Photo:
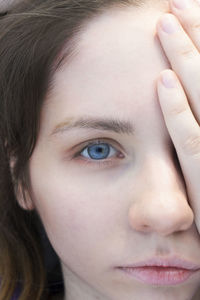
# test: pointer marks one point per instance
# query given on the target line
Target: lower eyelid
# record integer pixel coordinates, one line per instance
(97, 164)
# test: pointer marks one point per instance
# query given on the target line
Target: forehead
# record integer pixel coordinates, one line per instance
(116, 47)
(121, 31)
(114, 71)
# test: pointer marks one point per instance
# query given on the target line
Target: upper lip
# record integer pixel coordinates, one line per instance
(172, 261)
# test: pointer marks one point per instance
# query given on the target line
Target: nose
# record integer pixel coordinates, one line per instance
(160, 203)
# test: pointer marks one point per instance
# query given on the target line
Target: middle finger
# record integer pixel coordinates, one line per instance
(184, 57)
(188, 13)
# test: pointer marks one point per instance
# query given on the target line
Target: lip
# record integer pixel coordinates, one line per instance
(161, 271)
(172, 261)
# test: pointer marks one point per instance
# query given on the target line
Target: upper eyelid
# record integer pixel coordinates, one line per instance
(93, 143)
(106, 140)
(96, 143)
(99, 141)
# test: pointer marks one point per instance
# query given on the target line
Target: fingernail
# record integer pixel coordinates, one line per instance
(182, 4)
(169, 24)
(168, 79)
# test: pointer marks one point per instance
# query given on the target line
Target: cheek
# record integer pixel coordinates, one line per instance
(79, 215)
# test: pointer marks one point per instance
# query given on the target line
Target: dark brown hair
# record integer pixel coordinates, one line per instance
(36, 38)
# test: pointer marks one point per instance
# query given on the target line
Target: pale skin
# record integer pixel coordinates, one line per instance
(181, 104)
(140, 205)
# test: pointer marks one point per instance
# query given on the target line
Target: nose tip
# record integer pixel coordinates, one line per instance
(164, 220)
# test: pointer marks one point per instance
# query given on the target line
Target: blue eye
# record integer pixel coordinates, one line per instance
(98, 151)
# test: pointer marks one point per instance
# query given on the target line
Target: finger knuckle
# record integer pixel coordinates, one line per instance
(187, 52)
(196, 25)
(177, 110)
(192, 146)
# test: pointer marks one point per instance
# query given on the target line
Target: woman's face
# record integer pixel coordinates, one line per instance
(124, 200)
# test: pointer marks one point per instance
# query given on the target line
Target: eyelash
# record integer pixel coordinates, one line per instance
(96, 162)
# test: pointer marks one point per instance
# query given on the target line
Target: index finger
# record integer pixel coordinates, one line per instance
(180, 121)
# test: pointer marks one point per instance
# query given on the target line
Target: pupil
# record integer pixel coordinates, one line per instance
(100, 149)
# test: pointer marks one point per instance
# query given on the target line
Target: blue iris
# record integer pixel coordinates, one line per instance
(99, 151)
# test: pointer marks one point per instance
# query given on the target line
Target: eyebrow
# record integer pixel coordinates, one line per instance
(113, 125)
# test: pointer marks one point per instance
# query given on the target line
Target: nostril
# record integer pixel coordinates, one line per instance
(145, 228)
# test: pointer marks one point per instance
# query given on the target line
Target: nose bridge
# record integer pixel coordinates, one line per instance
(160, 204)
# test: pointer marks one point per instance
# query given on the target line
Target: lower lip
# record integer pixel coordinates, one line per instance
(159, 275)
